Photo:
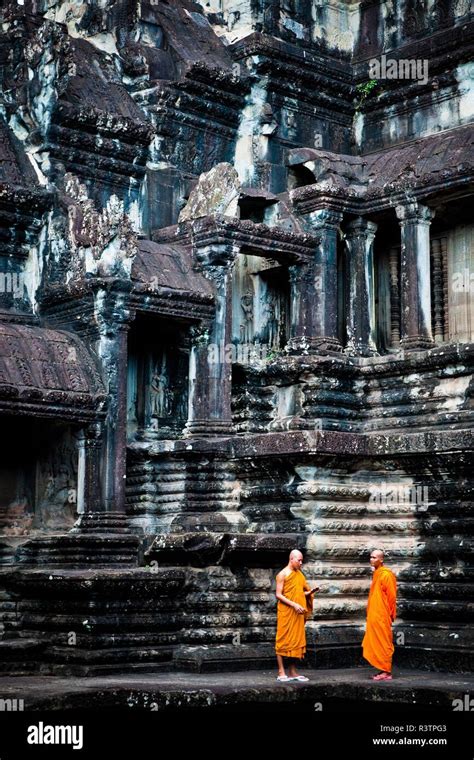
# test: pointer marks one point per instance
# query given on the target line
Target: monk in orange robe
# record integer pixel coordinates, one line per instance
(377, 645)
(295, 603)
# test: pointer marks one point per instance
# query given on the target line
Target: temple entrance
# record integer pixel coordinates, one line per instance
(157, 379)
(38, 476)
(260, 304)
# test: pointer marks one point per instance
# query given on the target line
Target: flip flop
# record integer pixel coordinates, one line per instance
(283, 678)
(299, 678)
(382, 677)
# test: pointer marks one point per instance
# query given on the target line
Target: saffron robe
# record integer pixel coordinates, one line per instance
(377, 646)
(290, 635)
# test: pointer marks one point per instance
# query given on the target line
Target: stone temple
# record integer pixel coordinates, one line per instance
(236, 318)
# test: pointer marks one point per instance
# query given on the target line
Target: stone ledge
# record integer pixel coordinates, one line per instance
(301, 442)
(350, 689)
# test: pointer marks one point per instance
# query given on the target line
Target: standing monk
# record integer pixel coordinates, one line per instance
(295, 603)
(377, 645)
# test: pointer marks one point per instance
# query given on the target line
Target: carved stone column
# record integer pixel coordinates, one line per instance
(303, 293)
(114, 321)
(360, 297)
(416, 329)
(394, 266)
(89, 494)
(437, 291)
(210, 371)
(314, 289)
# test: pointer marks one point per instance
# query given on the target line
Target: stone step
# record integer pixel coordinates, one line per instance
(7, 553)
(101, 641)
(117, 655)
(83, 670)
(102, 523)
(221, 657)
(245, 635)
(82, 550)
(104, 669)
(21, 649)
(99, 623)
(93, 584)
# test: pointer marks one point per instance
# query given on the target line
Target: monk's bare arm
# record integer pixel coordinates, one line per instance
(280, 579)
(309, 597)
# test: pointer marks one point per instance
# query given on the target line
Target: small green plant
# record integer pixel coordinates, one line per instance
(272, 354)
(364, 90)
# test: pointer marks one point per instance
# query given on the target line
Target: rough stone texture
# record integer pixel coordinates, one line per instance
(45, 368)
(409, 693)
(217, 192)
(236, 317)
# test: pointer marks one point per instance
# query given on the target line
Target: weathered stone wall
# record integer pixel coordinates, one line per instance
(182, 181)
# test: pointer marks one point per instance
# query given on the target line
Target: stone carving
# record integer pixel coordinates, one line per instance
(104, 241)
(161, 396)
(57, 502)
(246, 329)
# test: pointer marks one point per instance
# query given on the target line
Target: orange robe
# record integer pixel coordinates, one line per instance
(290, 635)
(377, 645)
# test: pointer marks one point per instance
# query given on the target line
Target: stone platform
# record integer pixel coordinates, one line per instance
(350, 690)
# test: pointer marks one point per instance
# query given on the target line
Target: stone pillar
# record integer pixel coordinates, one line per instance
(314, 289)
(394, 269)
(326, 224)
(114, 321)
(360, 296)
(438, 291)
(89, 495)
(210, 370)
(303, 295)
(416, 331)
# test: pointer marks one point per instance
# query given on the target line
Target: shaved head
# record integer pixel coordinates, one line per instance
(295, 560)
(376, 558)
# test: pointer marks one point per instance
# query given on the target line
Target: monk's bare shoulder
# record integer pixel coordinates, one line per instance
(283, 574)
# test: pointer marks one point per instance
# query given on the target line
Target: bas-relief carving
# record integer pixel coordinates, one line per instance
(246, 327)
(271, 314)
(161, 395)
(16, 500)
(56, 479)
(157, 393)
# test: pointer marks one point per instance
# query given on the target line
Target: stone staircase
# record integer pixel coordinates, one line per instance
(87, 622)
